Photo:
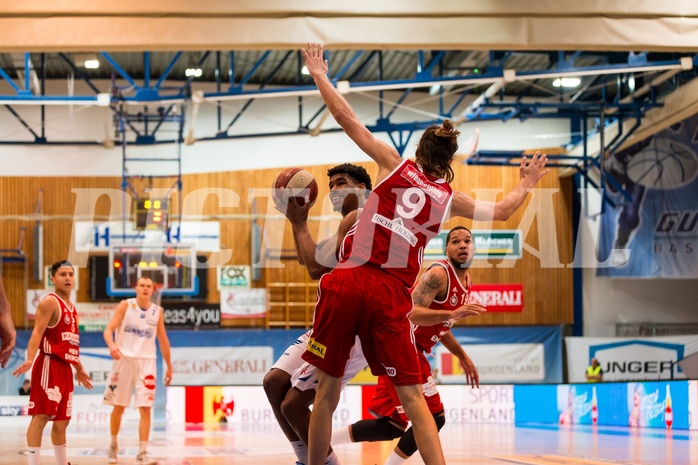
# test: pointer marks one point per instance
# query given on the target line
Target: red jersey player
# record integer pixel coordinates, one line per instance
(368, 294)
(440, 298)
(55, 337)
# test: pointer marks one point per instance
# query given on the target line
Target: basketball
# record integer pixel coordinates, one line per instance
(295, 182)
(664, 164)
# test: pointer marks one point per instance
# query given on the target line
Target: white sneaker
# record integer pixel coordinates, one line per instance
(144, 459)
(113, 450)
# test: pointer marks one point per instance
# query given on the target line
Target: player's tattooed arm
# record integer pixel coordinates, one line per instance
(432, 283)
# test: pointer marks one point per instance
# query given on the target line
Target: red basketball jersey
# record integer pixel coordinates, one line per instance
(458, 294)
(403, 212)
(62, 340)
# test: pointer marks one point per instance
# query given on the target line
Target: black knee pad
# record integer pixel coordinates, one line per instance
(408, 445)
(381, 429)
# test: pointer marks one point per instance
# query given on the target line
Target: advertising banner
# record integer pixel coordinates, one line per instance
(661, 404)
(498, 297)
(232, 276)
(489, 404)
(629, 359)
(183, 315)
(531, 354)
(94, 317)
(496, 363)
(224, 366)
(243, 405)
(499, 243)
(654, 228)
(244, 303)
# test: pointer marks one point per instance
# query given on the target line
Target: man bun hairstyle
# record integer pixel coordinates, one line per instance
(436, 149)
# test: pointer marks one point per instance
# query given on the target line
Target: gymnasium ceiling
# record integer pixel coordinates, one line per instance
(505, 55)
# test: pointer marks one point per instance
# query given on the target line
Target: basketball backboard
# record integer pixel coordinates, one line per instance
(171, 266)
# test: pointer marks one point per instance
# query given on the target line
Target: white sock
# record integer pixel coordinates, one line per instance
(143, 445)
(341, 436)
(113, 441)
(61, 454)
(33, 455)
(332, 459)
(394, 459)
(300, 450)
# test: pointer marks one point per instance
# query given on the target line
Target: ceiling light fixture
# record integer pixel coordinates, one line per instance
(193, 72)
(567, 82)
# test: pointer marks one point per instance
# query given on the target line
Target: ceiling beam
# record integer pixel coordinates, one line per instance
(158, 25)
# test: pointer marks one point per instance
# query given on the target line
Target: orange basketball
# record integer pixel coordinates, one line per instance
(295, 182)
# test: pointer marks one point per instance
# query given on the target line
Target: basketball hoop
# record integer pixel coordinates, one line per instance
(156, 298)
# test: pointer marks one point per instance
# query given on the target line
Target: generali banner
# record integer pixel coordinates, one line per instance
(498, 297)
(220, 366)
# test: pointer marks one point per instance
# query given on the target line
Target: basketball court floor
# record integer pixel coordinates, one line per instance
(463, 444)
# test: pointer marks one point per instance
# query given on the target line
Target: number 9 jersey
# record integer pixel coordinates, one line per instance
(404, 211)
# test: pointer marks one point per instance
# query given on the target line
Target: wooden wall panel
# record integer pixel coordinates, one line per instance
(548, 291)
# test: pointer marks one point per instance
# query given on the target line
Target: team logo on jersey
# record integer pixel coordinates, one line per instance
(149, 382)
(54, 394)
(454, 300)
(316, 348)
(436, 192)
(390, 371)
(395, 226)
(66, 319)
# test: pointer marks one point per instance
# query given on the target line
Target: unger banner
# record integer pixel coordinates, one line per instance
(629, 359)
(654, 226)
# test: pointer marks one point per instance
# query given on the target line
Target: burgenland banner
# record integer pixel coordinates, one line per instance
(654, 225)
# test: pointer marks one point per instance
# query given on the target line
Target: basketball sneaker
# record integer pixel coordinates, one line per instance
(113, 450)
(144, 459)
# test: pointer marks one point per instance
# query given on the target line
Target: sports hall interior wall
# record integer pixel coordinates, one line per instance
(547, 290)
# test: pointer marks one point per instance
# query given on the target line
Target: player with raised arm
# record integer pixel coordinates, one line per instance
(367, 294)
(349, 186)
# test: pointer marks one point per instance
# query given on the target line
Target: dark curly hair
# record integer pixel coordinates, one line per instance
(357, 173)
(436, 149)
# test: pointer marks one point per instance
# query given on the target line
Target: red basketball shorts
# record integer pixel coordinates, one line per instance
(52, 388)
(372, 304)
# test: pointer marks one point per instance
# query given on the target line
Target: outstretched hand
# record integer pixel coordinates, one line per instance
(315, 60)
(532, 171)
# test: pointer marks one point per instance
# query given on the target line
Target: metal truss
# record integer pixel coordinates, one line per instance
(350, 75)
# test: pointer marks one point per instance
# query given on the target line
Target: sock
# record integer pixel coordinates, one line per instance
(33, 455)
(113, 441)
(61, 454)
(341, 436)
(143, 445)
(394, 459)
(300, 450)
(332, 459)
